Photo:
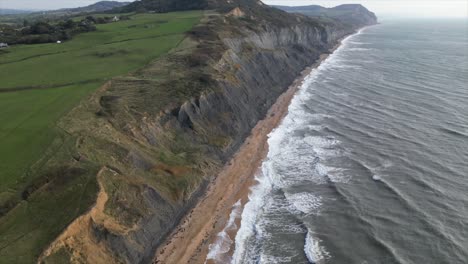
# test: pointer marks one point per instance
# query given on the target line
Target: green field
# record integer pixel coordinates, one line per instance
(39, 84)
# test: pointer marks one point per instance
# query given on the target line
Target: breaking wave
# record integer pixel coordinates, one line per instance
(314, 251)
(223, 242)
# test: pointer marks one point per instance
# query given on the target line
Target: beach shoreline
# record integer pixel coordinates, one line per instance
(190, 240)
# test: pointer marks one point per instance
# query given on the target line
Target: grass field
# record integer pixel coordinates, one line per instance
(39, 84)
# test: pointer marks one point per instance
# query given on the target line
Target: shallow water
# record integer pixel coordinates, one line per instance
(371, 163)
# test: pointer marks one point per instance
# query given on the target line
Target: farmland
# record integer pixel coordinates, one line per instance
(41, 83)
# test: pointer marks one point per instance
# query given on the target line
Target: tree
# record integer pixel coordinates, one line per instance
(91, 19)
(41, 28)
(69, 24)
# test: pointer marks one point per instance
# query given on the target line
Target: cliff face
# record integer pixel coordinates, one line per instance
(162, 133)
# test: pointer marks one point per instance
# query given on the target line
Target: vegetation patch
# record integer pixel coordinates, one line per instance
(105, 54)
(44, 32)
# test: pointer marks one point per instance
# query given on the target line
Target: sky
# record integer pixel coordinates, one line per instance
(412, 8)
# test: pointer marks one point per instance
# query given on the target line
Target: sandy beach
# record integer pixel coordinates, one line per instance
(189, 242)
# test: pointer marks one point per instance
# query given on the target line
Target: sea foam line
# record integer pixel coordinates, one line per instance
(223, 242)
(267, 178)
(314, 252)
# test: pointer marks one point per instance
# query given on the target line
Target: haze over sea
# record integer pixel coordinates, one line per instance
(371, 163)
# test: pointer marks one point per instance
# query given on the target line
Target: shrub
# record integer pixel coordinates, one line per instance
(44, 32)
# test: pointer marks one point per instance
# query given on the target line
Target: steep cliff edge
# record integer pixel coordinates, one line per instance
(162, 133)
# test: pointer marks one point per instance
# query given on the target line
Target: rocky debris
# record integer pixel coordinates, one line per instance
(236, 12)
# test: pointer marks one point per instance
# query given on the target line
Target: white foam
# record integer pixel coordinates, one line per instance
(321, 142)
(376, 178)
(269, 259)
(339, 176)
(223, 242)
(359, 43)
(323, 170)
(347, 66)
(313, 250)
(305, 202)
(250, 213)
(386, 164)
(289, 229)
(359, 49)
(315, 127)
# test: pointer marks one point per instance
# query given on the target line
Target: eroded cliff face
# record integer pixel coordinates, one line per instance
(158, 156)
(254, 71)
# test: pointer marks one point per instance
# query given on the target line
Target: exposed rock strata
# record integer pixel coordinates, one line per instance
(159, 157)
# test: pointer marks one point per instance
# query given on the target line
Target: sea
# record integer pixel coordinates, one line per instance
(370, 165)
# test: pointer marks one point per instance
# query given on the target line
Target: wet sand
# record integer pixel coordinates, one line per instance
(189, 242)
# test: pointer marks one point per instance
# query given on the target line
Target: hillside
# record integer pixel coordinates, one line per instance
(120, 165)
(96, 7)
(161, 6)
(351, 14)
(18, 17)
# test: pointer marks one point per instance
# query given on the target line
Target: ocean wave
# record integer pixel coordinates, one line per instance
(359, 43)
(250, 213)
(223, 242)
(307, 203)
(454, 132)
(359, 49)
(313, 250)
(265, 258)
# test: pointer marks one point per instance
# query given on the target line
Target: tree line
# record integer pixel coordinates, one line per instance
(48, 32)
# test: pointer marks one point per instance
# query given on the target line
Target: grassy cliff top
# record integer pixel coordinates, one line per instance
(40, 84)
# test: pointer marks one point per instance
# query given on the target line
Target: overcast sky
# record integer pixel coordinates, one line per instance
(427, 8)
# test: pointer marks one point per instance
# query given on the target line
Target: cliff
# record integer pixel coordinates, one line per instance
(350, 14)
(159, 135)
